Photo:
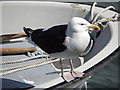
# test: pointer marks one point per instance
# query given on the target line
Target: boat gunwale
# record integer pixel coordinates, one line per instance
(83, 2)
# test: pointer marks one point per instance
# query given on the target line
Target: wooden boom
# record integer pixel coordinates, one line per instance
(7, 37)
(4, 51)
(12, 36)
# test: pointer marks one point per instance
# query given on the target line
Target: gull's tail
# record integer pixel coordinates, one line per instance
(28, 31)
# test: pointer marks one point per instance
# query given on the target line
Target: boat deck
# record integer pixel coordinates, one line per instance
(34, 76)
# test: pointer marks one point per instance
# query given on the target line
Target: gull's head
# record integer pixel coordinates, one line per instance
(78, 24)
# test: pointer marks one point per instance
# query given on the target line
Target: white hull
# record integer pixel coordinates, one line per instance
(35, 14)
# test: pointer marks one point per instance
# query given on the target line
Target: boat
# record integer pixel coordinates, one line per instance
(18, 71)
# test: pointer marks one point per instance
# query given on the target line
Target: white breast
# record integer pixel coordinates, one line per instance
(75, 45)
(78, 42)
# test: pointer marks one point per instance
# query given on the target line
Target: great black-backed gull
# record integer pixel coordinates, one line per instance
(64, 41)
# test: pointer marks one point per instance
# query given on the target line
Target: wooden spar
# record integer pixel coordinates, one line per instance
(4, 51)
(8, 37)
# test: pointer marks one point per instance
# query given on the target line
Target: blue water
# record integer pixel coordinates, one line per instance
(106, 77)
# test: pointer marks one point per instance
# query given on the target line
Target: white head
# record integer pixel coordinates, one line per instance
(78, 24)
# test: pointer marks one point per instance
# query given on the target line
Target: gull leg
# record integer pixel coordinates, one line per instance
(61, 68)
(71, 65)
(81, 60)
(75, 73)
(67, 76)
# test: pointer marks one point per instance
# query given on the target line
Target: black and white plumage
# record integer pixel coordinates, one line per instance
(63, 41)
(50, 40)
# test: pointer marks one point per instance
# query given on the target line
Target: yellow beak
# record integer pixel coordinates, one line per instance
(94, 27)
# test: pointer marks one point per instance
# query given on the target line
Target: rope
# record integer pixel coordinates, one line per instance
(96, 17)
(104, 22)
(92, 11)
(28, 66)
(23, 60)
(113, 19)
(88, 49)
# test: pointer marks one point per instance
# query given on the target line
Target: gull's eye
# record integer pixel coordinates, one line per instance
(90, 30)
(81, 24)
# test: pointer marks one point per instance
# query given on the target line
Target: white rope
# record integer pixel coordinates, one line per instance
(28, 66)
(113, 19)
(104, 22)
(87, 50)
(96, 17)
(23, 60)
(92, 11)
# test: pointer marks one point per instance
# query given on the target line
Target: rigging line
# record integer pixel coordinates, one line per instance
(24, 67)
(92, 11)
(21, 66)
(104, 22)
(23, 60)
(90, 46)
(105, 9)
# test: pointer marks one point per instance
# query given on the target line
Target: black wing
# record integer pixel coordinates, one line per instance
(51, 40)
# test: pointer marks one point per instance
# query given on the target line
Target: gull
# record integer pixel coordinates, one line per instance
(64, 41)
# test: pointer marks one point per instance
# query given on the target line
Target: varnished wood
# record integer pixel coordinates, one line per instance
(15, 50)
(12, 36)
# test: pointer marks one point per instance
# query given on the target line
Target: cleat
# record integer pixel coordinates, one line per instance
(30, 54)
(38, 52)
